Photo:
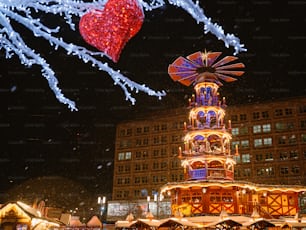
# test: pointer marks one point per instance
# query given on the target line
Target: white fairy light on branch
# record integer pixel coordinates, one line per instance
(25, 13)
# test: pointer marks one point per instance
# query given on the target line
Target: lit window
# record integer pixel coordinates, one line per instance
(128, 155)
(235, 131)
(269, 171)
(245, 158)
(121, 156)
(267, 141)
(237, 158)
(244, 143)
(257, 142)
(256, 129)
(266, 128)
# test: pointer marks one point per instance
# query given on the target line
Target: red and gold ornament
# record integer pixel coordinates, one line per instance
(111, 28)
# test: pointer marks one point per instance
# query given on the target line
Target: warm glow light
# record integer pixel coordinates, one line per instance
(228, 184)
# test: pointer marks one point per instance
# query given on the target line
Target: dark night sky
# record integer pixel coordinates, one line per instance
(41, 137)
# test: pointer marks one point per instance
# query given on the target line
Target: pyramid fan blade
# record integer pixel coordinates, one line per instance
(186, 82)
(178, 77)
(196, 58)
(224, 61)
(232, 66)
(231, 72)
(184, 74)
(189, 80)
(211, 57)
(175, 77)
(175, 68)
(184, 63)
(226, 78)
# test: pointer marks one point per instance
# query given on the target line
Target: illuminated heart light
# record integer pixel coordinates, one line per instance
(111, 28)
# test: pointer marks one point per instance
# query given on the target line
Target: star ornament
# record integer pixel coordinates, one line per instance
(205, 67)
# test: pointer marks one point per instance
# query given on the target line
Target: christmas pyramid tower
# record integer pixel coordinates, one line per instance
(207, 155)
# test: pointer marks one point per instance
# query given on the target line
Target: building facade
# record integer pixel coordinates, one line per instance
(271, 137)
(194, 166)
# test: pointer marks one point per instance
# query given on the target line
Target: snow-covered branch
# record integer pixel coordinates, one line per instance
(26, 12)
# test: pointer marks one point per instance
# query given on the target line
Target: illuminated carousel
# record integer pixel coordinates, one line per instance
(207, 156)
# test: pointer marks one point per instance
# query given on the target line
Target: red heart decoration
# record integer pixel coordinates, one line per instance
(111, 28)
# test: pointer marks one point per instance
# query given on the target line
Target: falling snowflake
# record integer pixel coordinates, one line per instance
(25, 12)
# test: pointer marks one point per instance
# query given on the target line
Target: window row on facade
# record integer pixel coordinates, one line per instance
(146, 129)
(279, 140)
(267, 128)
(154, 166)
(280, 155)
(275, 113)
(149, 179)
(266, 171)
(257, 129)
(149, 153)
